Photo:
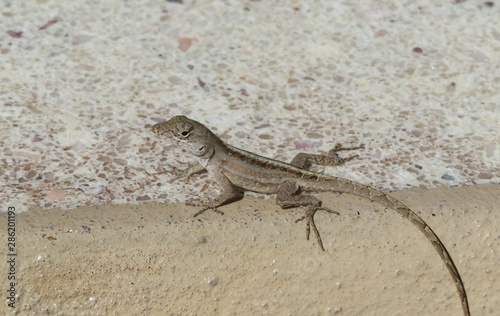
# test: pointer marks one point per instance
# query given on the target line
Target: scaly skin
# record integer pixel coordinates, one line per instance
(236, 169)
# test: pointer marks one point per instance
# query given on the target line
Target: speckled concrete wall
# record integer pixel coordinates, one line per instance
(81, 83)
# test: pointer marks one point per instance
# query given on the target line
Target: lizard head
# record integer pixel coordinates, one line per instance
(188, 134)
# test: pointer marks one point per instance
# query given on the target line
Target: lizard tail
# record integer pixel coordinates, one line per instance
(347, 186)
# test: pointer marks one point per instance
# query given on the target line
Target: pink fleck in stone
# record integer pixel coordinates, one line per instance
(15, 34)
(417, 50)
(202, 84)
(185, 43)
(37, 138)
(49, 23)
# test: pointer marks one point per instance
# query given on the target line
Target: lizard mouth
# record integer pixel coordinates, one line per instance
(161, 129)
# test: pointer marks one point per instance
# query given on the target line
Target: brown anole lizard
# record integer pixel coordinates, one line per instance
(235, 169)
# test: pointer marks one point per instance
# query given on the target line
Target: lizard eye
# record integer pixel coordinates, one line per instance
(183, 129)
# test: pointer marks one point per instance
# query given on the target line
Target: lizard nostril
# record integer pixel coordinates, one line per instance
(156, 129)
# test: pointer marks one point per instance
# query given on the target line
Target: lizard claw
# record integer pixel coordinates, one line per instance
(309, 217)
(205, 206)
(208, 208)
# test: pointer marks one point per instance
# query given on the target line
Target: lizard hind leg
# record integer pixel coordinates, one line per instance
(309, 217)
(304, 160)
(288, 197)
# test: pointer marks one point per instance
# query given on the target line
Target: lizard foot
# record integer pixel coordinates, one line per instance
(339, 147)
(309, 217)
(205, 206)
(332, 153)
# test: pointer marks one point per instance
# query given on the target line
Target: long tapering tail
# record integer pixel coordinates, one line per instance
(347, 186)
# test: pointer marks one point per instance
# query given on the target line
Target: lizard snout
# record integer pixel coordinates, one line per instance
(158, 129)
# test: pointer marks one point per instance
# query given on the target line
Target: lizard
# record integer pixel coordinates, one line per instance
(235, 169)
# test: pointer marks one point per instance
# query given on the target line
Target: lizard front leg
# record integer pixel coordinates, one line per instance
(183, 173)
(193, 170)
(287, 197)
(229, 193)
(304, 160)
